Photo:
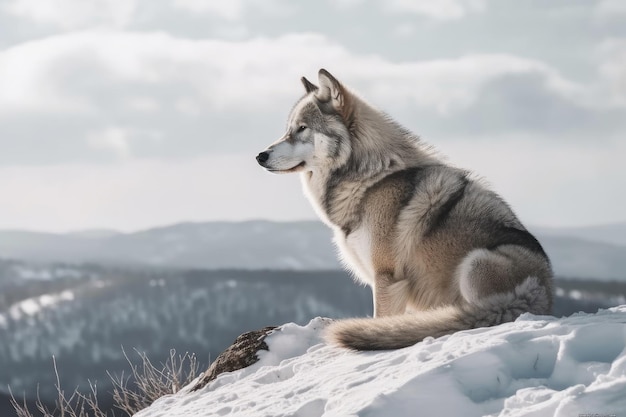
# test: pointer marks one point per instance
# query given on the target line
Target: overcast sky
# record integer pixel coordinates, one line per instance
(129, 114)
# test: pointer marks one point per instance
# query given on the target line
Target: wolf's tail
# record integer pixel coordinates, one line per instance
(394, 332)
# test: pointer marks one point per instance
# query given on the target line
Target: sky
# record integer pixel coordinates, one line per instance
(128, 114)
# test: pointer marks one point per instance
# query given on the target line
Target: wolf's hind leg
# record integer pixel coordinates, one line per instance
(390, 295)
(485, 273)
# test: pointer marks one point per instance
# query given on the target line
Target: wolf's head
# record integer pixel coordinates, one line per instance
(317, 135)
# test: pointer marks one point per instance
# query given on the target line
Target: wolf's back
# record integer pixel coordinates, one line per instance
(394, 332)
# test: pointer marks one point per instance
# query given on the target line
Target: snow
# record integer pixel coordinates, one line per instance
(32, 306)
(43, 273)
(536, 366)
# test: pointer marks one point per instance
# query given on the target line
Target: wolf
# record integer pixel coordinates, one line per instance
(440, 250)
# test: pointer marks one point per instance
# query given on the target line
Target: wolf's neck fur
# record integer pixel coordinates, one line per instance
(379, 144)
(377, 147)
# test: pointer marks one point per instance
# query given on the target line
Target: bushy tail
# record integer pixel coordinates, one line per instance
(394, 332)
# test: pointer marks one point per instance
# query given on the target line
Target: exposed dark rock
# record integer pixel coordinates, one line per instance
(241, 354)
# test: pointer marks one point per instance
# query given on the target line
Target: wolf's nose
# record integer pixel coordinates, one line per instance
(262, 158)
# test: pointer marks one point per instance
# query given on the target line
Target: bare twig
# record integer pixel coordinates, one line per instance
(148, 384)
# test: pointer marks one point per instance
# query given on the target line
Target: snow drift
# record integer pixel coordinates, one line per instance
(535, 366)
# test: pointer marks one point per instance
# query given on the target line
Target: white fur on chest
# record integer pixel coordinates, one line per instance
(313, 186)
(356, 253)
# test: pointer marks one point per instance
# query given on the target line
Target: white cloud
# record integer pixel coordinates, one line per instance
(121, 142)
(229, 10)
(129, 98)
(188, 106)
(74, 14)
(234, 11)
(115, 139)
(404, 30)
(436, 10)
(239, 75)
(439, 10)
(143, 104)
(192, 95)
(445, 84)
(28, 78)
(610, 9)
(613, 71)
(110, 79)
(346, 4)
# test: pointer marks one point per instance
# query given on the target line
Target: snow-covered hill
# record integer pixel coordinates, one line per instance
(598, 253)
(536, 366)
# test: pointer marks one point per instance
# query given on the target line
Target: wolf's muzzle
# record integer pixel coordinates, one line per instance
(262, 158)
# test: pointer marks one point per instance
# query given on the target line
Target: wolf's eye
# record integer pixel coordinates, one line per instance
(301, 128)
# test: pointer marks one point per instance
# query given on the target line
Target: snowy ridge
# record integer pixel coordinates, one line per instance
(536, 366)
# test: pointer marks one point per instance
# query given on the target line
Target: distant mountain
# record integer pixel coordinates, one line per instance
(578, 258)
(607, 233)
(586, 252)
(213, 245)
(95, 233)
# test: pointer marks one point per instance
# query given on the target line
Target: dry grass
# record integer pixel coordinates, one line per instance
(132, 392)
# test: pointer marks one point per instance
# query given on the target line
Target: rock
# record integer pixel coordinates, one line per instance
(241, 354)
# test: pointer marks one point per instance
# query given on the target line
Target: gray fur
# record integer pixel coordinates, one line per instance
(441, 251)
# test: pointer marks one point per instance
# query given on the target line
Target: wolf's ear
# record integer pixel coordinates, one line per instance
(308, 85)
(330, 89)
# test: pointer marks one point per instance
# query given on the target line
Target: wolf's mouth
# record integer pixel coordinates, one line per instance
(292, 169)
